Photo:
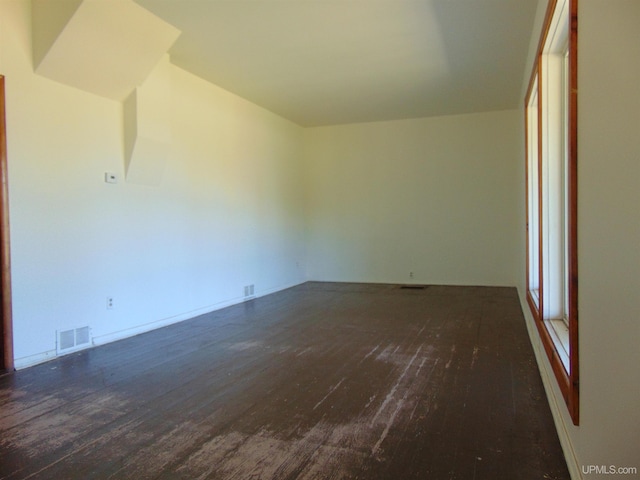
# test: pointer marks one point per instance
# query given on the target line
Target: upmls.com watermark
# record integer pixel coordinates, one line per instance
(609, 470)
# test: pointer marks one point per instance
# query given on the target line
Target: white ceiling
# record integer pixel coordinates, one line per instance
(322, 62)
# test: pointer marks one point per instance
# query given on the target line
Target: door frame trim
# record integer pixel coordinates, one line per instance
(5, 252)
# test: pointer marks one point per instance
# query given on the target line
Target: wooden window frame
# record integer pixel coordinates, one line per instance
(533, 88)
(567, 378)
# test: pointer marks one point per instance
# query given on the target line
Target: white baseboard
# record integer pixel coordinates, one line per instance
(31, 360)
(556, 403)
(38, 358)
(147, 327)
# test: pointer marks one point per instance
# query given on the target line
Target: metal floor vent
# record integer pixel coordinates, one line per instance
(413, 287)
(74, 339)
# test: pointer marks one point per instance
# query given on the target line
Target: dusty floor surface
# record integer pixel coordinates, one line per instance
(321, 381)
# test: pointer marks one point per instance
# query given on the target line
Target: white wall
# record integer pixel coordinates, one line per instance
(435, 196)
(608, 242)
(227, 214)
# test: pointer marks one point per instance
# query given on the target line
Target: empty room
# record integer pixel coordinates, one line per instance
(279, 239)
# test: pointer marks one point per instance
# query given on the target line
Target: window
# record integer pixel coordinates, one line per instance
(551, 141)
(533, 192)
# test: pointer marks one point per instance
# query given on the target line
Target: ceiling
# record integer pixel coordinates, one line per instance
(324, 62)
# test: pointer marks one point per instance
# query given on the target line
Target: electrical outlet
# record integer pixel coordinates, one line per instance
(109, 303)
(410, 274)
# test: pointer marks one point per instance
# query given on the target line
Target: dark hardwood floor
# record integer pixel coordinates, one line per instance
(323, 381)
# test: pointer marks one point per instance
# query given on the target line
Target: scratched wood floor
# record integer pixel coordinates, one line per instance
(321, 381)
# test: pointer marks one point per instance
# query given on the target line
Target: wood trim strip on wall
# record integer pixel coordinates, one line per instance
(574, 376)
(5, 256)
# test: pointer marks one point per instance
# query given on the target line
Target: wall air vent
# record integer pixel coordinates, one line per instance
(249, 291)
(71, 340)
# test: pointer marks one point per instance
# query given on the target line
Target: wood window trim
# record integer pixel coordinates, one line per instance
(534, 81)
(568, 380)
